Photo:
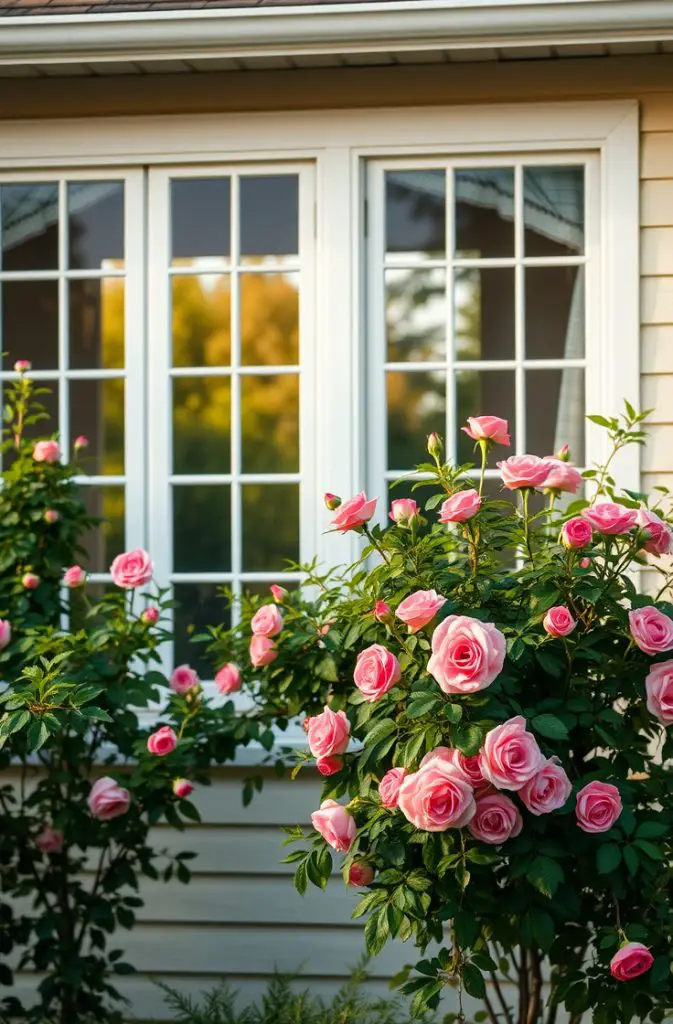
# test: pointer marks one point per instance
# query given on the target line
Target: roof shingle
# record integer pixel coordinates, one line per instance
(16, 8)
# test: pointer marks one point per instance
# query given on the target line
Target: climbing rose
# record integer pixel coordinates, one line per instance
(332, 501)
(267, 621)
(403, 510)
(523, 471)
(383, 612)
(50, 840)
(651, 630)
(376, 671)
(659, 690)
(328, 733)
(74, 577)
(81, 442)
(467, 655)
(150, 616)
(631, 961)
(436, 797)
(511, 756)
(162, 742)
(228, 678)
(558, 621)
(30, 580)
(182, 787)
(279, 594)
(335, 824)
(5, 633)
(107, 799)
(487, 428)
(548, 790)
(469, 768)
(329, 765)
(354, 513)
(51, 516)
(389, 786)
(598, 807)
(131, 569)
(183, 679)
(576, 533)
(263, 651)
(360, 874)
(496, 819)
(46, 451)
(610, 518)
(660, 535)
(23, 366)
(419, 608)
(562, 476)
(460, 507)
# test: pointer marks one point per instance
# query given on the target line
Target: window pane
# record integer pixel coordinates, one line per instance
(553, 211)
(201, 425)
(270, 423)
(555, 412)
(29, 226)
(201, 528)
(484, 310)
(416, 314)
(97, 323)
(95, 224)
(199, 605)
(30, 323)
(270, 215)
(555, 312)
(201, 320)
(416, 212)
(270, 516)
(269, 319)
(97, 411)
(416, 407)
(484, 213)
(104, 542)
(482, 393)
(200, 217)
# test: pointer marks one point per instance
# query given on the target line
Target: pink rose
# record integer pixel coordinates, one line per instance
(436, 797)
(389, 786)
(523, 471)
(5, 633)
(131, 569)
(182, 787)
(75, 576)
(328, 733)
(608, 517)
(660, 534)
(383, 612)
(403, 510)
(511, 756)
(469, 768)
(228, 678)
(107, 799)
(150, 616)
(558, 621)
(23, 366)
(598, 807)
(584, 563)
(631, 961)
(354, 513)
(562, 476)
(162, 742)
(659, 690)
(548, 790)
(651, 630)
(496, 819)
(81, 442)
(30, 581)
(332, 501)
(50, 840)
(376, 671)
(487, 428)
(46, 451)
(279, 594)
(51, 516)
(267, 621)
(263, 651)
(460, 506)
(419, 608)
(360, 874)
(576, 533)
(183, 679)
(467, 655)
(329, 765)
(335, 824)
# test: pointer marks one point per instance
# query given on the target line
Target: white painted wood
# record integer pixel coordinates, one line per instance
(657, 452)
(656, 300)
(656, 202)
(656, 251)
(657, 394)
(656, 112)
(652, 480)
(657, 350)
(656, 155)
(231, 851)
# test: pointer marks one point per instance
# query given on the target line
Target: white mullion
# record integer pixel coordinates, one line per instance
(519, 314)
(306, 478)
(451, 362)
(226, 371)
(63, 320)
(377, 403)
(236, 495)
(198, 269)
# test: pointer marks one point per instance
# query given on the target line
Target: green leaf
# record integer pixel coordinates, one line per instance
(188, 810)
(655, 852)
(631, 860)
(38, 734)
(301, 879)
(95, 714)
(551, 661)
(542, 927)
(652, 830)
(473, 981)
(468, 739)
(453, 712)
(422, 704)
(660, 972)
(577, 998)
(608, 857)
(380, 731)
(326, 669)
(467, 929)
(549, 726)
(545, 875)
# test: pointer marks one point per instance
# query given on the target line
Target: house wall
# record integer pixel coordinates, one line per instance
(240, 916)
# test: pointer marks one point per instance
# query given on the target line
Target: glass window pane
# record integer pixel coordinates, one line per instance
(484, 311)
(555, 412)
(97, 412)
(30, 323)
(416, 314)
(416, 212)
(555, 319)
(97, 323)
(269, 319)
(200, 218)
(201, 425)
(484, 213)
(482, 393)
(104, 542)
(553, 199)
(270, 516)
(95, 224)
(199, 605)
(270, 423)
(270, 215)
(201, 528)
(29, 226)
(416, 407)
(201, 320)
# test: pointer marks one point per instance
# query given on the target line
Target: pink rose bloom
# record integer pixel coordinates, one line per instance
(548, 790)
(81, 442)
(183, 679)
(360, 874)
(267, 621)
(659, 690)
(460, 507)
(469, 768)
(419, 608)
(335, 824)
(376, 671)
(228, 678)
(23, 366)
(523, 471)
(584, 563)
(150, 616)
(50, 840)
(328, 733)
(329, 765)
(660, 534)
(354, 513)
(576, 533)
(496, 819)
(562, 476)
(598, 807)
(162, 742)
(75, 576)
(383, 612)
(131, 569)
(610, 518)
(5, 633)
(30, 581)
(631, 961)
(651, 630)
(487, 428)
(107, 799)
(558, 621)
(46, 451)
(263, 651)
(403, 510)
(279, 594)
(511, 756)
(182, 787)
(51, 516)
(436, 797)
(467, 655)
(389, 786)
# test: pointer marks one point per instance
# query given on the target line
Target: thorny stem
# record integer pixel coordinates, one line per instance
(372, 540)
(525, 497)
(484, 455)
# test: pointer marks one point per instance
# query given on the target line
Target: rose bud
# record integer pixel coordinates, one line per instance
(182, 787)
(23, 366)
(435, 446)
(332, 501)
